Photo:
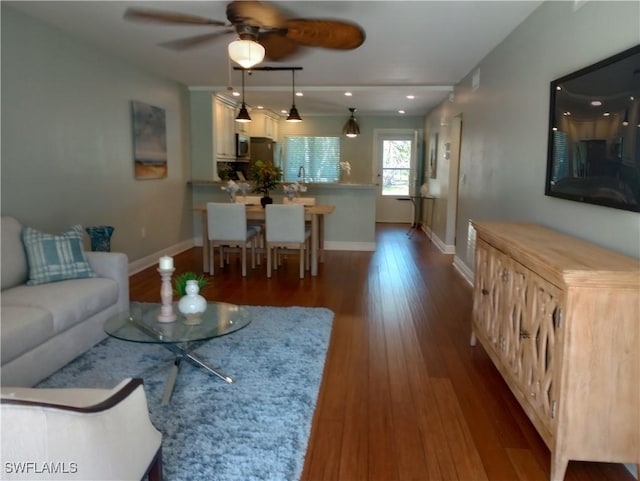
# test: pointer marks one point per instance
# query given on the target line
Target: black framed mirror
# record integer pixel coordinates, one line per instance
(594, 134)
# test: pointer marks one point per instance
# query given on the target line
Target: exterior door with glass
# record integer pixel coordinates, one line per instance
(395, 174)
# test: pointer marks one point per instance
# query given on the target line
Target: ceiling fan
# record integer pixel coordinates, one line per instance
(279, 34)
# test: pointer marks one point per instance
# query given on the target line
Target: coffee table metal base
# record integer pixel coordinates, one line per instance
(183, 352)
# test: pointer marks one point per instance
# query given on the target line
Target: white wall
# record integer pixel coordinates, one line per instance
(67, 154)
(505, 122)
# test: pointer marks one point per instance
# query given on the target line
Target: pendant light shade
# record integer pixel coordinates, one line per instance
(243, 114)
(293, 116)
(351, 128)
(245, 52)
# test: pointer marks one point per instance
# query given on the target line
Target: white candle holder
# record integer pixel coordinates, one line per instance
(166, 294)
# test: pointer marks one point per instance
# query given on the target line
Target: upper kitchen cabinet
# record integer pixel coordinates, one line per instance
(224, 128)
(264, 123)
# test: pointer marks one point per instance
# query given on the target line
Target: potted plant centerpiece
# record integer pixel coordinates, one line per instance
(266, 176)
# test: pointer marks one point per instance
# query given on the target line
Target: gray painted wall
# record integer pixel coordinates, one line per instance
(505, 122)
(67, 154)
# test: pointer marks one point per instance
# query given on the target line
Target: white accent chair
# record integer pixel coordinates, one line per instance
(79, 434)
(286, 229)
(227, 225)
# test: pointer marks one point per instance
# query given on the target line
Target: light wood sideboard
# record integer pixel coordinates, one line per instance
(560, 319)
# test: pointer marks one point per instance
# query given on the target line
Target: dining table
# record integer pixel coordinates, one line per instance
(312, 213)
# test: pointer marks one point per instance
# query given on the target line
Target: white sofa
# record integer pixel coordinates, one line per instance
(45, 326)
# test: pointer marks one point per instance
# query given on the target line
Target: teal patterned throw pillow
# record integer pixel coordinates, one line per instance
(54, 257)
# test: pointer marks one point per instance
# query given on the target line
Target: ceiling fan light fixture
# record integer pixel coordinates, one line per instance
(351, 128)
(246, 53)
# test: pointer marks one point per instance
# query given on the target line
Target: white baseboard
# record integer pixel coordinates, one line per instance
(442, 247)
(463, 270)
(152, 259)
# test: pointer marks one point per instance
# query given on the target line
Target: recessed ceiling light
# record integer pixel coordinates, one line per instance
(401, 111)
(348, 94)
(284, 111)
(236, 93)
(596, 103)
(299, 94)
(411, 97)
(554, 129)
(259, 107)
(606, 114)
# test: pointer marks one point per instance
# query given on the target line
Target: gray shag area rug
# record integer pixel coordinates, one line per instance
(254, 429)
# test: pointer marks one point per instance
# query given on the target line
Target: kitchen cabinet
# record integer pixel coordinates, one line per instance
(264, 123)
(560, 319)
(224, 129)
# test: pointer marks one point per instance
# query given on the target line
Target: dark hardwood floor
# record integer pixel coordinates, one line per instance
(404, 396)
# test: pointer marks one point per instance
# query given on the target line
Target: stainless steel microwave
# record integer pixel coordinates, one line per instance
(243, 144)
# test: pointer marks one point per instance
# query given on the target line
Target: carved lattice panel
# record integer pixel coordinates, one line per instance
(540, 334)
(490, 265)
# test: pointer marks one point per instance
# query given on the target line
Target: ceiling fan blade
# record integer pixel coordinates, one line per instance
(158, 16)
(256, 14)
(336, 34)
(194, 41)
(277, 46)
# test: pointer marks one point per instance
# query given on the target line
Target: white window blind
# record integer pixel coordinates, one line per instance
(319, 156)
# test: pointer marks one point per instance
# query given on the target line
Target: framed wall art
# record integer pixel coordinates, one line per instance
(433, 156)
(149, 141)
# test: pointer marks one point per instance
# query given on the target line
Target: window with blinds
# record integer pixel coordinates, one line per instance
(312, 159)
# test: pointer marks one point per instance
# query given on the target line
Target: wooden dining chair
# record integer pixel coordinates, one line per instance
(286, 230)
(227, 224)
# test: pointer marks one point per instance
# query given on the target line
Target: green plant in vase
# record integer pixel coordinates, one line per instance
(266, 176)
(180, 282)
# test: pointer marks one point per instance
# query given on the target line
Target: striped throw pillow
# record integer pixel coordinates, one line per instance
(54, 257)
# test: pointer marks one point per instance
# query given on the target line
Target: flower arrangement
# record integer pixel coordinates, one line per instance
(233, 188)
(345, 167)
(266, 176)
(291, 190)
(180, 282)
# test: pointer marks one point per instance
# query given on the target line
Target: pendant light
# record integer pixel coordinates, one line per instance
(294, 116)
(243, 115)
(351, 128)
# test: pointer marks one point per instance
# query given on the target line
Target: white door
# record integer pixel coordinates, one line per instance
(394, 173)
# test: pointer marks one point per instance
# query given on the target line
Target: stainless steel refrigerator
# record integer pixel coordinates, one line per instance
(265, 149)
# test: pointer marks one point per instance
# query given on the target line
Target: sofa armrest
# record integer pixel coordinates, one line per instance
(114, 265)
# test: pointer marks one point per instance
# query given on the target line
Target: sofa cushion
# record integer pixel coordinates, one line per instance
(55, 257)
(69, 302)
(22, 329)
(14, 258)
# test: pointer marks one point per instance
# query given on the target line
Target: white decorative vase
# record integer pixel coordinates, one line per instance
(193, 305)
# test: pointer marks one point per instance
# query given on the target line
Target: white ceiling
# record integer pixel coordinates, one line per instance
(421, 48)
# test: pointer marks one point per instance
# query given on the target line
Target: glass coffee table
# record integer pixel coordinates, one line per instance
(140, 324)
